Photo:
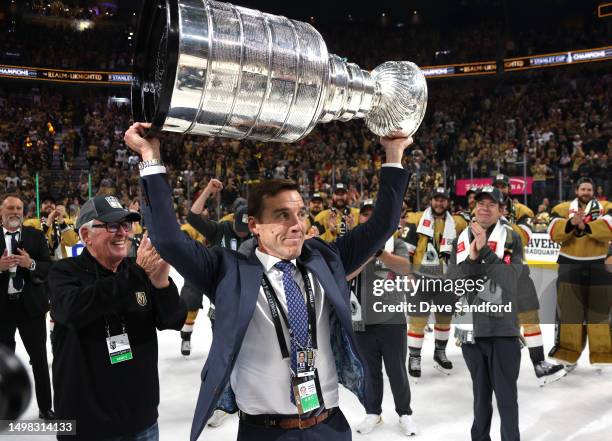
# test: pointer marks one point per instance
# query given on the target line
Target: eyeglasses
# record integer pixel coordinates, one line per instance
(113, 227)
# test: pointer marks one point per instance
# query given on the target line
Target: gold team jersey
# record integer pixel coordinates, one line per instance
(323, 219)
(591, 245)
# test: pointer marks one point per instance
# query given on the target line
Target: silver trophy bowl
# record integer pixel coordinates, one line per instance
(210, 68)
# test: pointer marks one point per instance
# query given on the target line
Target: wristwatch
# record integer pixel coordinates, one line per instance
(32, 265)
(149, 163)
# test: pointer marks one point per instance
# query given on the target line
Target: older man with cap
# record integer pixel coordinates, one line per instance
(107, 308)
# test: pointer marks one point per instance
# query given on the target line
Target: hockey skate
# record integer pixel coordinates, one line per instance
(441, 362)
(414, 368)
(186, 343)
(549, 373)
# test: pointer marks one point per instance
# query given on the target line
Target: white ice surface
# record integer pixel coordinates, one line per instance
(578, 407)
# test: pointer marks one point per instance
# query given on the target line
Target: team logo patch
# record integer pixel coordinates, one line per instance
(492, 245)
(113, 202)
(426, 223)
(461, 247)
(141, 298)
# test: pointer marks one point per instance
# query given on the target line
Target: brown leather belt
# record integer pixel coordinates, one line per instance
(287, 422)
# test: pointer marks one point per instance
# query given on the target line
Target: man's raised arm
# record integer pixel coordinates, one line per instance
(190, 258)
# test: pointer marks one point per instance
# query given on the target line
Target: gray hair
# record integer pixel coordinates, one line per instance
(88, 226)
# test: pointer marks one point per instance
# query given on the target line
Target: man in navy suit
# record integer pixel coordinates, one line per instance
(252, 364)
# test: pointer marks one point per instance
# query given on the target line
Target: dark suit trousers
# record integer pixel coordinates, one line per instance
(33, 332)
(335, 428)
(494, 365)
(385, 342)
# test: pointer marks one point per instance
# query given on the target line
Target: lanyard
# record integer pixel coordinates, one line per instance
(276, 310)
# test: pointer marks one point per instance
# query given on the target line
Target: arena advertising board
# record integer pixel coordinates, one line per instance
(460, 70)
(541, 249)
(440, 71)
(517, 184)
(558, 59)
(65, 76)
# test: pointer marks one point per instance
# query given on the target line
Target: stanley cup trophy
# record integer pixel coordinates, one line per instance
(210, 68)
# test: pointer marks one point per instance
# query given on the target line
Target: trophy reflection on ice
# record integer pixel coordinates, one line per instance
(216, 69)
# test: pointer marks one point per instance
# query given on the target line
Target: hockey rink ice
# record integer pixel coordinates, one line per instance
(577, 407)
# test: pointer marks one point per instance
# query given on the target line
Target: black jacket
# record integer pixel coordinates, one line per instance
(216, 233)
(107, 400)
(506, 275)
(34, 297)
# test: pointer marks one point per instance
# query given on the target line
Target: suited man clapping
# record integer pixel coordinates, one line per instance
(24, 265)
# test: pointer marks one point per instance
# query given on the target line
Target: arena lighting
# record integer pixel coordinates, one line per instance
(82, 25)
(604, 10)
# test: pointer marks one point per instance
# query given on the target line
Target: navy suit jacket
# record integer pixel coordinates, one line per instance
(232, 281)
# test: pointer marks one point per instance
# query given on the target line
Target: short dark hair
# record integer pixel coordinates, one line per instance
(584, 180)
(267, 189)
(5, 196)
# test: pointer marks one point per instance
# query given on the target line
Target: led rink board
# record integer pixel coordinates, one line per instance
(66, 76)
(558, 59)
(441, 71)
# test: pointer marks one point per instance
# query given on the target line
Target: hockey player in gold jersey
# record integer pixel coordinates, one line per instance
(340, 218)
(583, 227)
(430, 237)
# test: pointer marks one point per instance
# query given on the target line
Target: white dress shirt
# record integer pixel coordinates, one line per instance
(261, 379)
(7, 241)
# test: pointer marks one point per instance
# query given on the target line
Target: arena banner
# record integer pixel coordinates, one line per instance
(558, 59)
(460, 70)
(517, 184)
(541, 249)
(66, 76)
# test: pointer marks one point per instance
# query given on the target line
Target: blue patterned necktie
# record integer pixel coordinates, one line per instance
(297, 314)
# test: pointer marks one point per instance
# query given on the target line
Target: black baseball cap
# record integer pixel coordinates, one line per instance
(489, 191)
(340, 186)
(366, 204)
(471, 190)
(316, 195)
(501, 179)
(241, 220)
(105, 209)
(441, 192)
(48, 197)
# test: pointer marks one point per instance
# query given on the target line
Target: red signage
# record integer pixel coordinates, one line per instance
(517, 184)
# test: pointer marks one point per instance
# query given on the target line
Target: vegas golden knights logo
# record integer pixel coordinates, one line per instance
(141, 298)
